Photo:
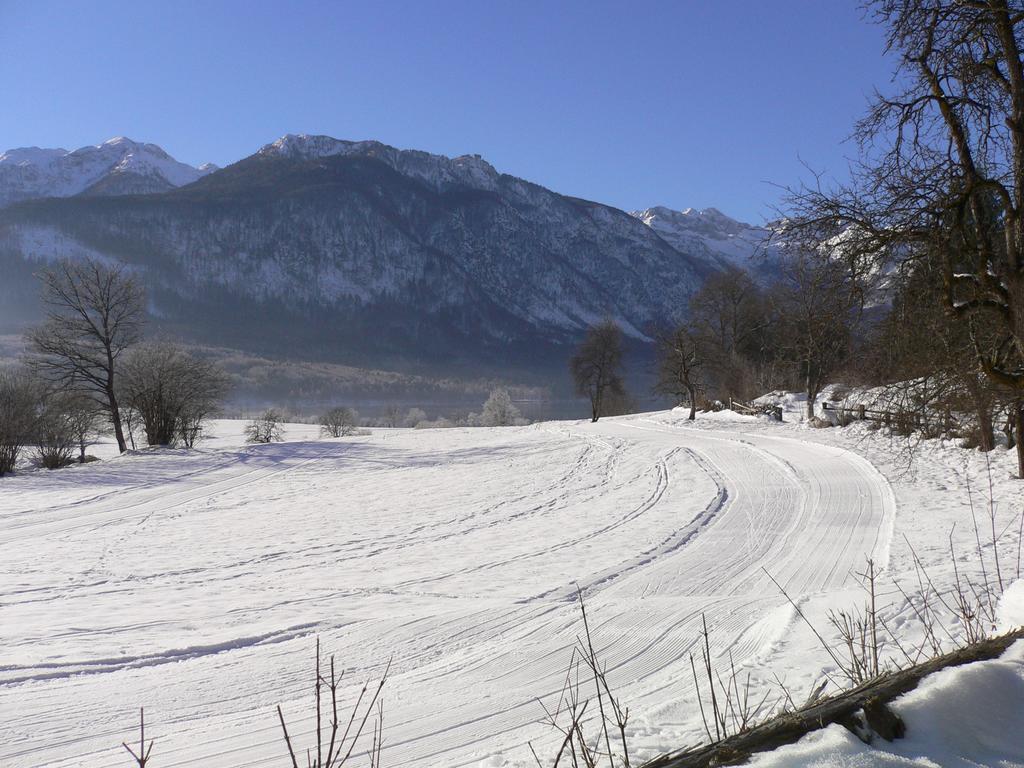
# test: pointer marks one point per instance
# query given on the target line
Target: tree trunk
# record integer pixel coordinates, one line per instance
(693, 403)
(986, 437)
(812, 394)
(81, 449)
(1018, 426)
(115, 417)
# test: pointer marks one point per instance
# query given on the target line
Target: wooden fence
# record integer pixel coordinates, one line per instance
(909, 419)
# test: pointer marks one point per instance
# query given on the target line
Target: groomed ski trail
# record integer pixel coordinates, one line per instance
(198, 594)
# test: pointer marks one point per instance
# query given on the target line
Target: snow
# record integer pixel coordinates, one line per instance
(32, 172)
(44, 243)
(26, 156)
(194, 583)
(725, 241)
(438, 171)
(962, 716)
(724, 415)
(1010, 613)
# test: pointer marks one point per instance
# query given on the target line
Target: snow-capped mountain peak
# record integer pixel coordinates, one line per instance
(730, 242)
(117, 166)
(436, 170)
(36, 156)
(302, 146)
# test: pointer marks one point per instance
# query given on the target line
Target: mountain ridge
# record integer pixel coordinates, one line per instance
(359, 250)
(117, 166)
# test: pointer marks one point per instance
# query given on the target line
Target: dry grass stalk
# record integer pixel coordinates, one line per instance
(732, 707)
(141, 757)
(608, 740)
(331, 751)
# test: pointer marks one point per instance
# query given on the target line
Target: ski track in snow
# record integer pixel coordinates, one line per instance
(193, 583)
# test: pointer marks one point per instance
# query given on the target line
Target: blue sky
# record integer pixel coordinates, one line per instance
(686, 103)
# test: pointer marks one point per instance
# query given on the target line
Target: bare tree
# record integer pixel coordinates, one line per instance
(941, 167)
(926, 360)
(339, 422)
(19, 402)
(596, 367)
(94, 314)
(265, 428)
(680, 366)
(817, 309)
(732, 318)
(171, 391)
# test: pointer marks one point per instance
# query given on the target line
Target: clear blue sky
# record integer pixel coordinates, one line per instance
(686, 103)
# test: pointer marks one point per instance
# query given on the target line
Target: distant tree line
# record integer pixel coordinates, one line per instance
(833, 314)
(88, 372)
(341, 421)
(909, 278)
(741, 339)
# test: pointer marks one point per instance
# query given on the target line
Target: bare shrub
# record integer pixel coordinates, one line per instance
(171, 391)
(65, 421)
(19, 402)
(439, 423)
(265, 428)
(54, 433)
(87, 420)
(339, 422)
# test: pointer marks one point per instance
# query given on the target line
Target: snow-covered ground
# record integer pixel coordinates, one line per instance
(194, 582)
(964, 716)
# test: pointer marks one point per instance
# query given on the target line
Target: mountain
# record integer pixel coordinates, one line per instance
(117, 167)
(361, 253)
(730, 243)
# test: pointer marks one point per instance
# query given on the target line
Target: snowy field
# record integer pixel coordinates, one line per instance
(195, 582)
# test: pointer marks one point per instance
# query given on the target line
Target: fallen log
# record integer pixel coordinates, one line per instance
(872, 696)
